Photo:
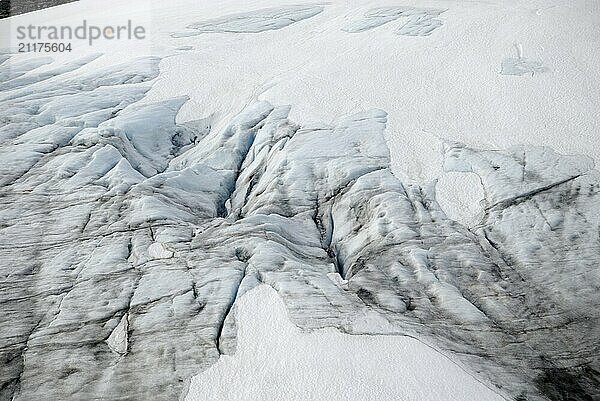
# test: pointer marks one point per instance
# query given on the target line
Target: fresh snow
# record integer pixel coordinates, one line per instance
(275, 360)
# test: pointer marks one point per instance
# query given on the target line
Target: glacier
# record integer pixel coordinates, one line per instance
(127, 237)
(274, 357)
(418, 21)
(254, 21)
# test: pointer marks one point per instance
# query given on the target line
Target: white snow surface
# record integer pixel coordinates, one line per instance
(276, 360)
(447, 84)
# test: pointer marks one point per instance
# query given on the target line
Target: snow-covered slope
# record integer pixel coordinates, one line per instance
(275, 359)
(145, 190)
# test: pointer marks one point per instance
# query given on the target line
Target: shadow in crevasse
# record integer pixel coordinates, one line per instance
(574, 384)
(15, 7)
(4, 8)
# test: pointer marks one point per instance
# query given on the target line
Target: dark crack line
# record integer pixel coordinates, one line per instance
(513, 201)
(228, 310)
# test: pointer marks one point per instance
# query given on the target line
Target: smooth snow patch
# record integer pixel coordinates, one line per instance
(158, 250)
(275, 360)
(117, 341)
(461, 197)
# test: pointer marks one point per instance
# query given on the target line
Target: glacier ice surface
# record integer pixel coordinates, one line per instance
(416, 21)
(126, 238)
(256, 21)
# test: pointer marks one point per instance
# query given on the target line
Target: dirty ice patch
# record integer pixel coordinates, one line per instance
(265, 19)
(276, 360)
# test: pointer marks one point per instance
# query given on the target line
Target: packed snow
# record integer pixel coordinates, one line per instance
(276, 359)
